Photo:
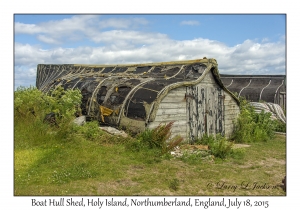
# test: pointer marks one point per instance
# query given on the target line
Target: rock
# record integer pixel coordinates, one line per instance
(114, 131)
(80, 120)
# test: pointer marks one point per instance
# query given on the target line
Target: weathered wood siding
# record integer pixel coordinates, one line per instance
(197, 110)
(173, 108)
(231, 111)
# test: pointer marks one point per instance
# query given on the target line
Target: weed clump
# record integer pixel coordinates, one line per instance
(254, 127)
(158, 138)
(219, 146)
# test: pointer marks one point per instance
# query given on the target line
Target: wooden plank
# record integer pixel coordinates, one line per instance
(180, 90)
(227, 101)
(175, 94)
(230, 116)
(231, 110)
(181, 128)
(180, 99)
(163, 118)
(179, 123)
(229, 131)
(170, 111)
(230, 102)
(169, 105)
(176, 124)
(180, 116)
(229, 125)
(181, 133)
(176, 129)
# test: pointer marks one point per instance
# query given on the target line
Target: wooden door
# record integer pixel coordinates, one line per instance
(205, 111)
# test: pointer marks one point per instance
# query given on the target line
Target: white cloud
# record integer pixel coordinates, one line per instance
(190, 22)
(122, 23)
(27, 28)
(24, 76)
(248, 57)
(81, 26)
(120, 36)
(47, 39)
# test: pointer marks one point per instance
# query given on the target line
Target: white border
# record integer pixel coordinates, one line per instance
(9, 8)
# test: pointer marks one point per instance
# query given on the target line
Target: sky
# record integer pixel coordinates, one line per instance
(241, 43)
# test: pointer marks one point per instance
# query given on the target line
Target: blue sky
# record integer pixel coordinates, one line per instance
(242, 44)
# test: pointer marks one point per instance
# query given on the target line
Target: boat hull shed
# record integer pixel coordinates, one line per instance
(140, 96)
(258, 88)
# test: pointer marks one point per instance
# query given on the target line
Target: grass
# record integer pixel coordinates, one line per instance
(81, 167)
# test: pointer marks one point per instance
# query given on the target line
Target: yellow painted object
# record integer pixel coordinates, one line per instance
(105, 112)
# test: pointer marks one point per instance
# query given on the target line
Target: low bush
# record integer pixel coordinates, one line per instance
(252, 126)
(31, 106)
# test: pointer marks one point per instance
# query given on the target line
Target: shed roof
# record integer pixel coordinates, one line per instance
(255, 87)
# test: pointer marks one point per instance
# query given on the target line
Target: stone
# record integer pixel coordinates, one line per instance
(80, 120)
(114, 131)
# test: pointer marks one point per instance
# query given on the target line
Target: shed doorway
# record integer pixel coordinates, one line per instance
(205, 111)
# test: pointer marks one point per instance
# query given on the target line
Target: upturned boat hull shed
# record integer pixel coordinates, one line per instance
(257, 88)
(140, 96)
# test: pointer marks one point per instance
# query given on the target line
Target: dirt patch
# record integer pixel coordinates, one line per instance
(272, 162)
(236, 146)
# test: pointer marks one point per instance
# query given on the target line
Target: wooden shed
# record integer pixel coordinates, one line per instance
(140, 96)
